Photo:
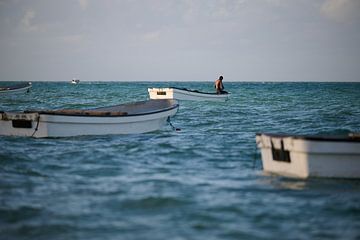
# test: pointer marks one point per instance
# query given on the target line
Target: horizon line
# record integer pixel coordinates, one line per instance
(246, 81)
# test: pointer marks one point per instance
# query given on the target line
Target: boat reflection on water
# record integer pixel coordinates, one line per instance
(319, 185)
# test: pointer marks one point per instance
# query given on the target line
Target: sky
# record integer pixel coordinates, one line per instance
(180, 40)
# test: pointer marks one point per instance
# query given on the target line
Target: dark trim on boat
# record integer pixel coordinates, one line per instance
(15, 87)
(94, 113)
(325, 138)
(81, 113)
(163, 110)
(196, 91)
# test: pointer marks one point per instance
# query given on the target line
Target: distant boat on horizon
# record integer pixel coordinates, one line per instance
(75, 81)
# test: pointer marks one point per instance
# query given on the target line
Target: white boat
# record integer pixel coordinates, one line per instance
(18, 88)
(310, 156)
(137, 117)
(75, 81)
(185, 94)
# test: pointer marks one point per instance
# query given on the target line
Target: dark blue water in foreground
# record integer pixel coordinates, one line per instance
(198, 183)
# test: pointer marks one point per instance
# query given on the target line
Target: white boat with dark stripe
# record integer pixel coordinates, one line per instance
(186, 94)
(75, 81)
(130, 118)
(17, 88)
(304, 156)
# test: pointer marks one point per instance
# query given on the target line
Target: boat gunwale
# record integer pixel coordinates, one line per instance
(94, 113)
(197, 91)
(320, 138)
(21, 86)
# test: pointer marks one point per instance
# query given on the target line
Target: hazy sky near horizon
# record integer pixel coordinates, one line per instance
(245, 40)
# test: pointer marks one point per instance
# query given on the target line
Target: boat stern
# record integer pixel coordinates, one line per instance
(21, 124)
(161, 93)
(309, 156)
(277, 159)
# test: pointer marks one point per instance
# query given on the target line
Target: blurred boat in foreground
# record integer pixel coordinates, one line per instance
(304, 156)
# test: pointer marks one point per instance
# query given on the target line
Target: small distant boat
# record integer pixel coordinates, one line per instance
(129, 118)
(18, 88)
(310, 156)
(75, 81)
(185, 94)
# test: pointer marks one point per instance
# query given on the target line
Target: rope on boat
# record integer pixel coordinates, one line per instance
(172, 126)
(37, 126)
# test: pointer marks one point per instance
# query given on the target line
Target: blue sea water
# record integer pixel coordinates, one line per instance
(203, 182)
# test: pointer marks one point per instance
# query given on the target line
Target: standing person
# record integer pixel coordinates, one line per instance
(219, 86)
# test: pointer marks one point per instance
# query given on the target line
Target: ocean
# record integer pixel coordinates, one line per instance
(202, 182)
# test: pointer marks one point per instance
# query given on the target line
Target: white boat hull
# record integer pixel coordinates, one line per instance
(75, 81)
(23, 88)
(42, 124)
(184, 94)
(304, 157)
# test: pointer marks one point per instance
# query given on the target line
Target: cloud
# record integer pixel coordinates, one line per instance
(276, 2)
(151, 36)
(83, 4)
(341, 10)
(27, 19)
(73, 39)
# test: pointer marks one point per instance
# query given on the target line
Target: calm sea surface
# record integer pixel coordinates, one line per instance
(203, 182)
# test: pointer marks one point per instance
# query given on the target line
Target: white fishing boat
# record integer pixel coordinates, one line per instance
(75, 81)
(137, 117)
(185, 94)
(17, 88)
(310, 156)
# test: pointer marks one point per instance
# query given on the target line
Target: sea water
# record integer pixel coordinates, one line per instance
(202, 182)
